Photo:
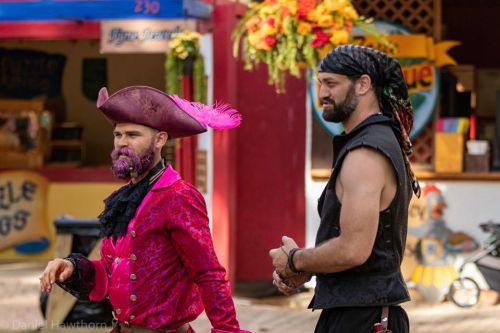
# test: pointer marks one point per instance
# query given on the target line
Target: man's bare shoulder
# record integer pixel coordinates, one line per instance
(363, 166)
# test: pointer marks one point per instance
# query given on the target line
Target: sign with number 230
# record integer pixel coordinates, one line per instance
(147, 7)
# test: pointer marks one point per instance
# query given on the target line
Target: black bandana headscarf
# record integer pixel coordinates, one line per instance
(389, 84)
(120, 207)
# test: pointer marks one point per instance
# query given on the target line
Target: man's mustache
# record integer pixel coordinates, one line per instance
(122, 152)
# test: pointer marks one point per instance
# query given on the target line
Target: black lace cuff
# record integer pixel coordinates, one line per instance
(81, 283)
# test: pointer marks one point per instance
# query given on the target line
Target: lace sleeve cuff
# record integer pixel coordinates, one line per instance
(81, 283)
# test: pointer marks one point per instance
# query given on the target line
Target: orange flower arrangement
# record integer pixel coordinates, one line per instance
(286, 34)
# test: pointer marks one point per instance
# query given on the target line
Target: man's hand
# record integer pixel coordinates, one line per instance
(280, 256)
(288, 285)
(59, 269)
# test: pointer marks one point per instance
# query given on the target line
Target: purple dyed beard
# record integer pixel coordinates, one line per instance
(139, 164)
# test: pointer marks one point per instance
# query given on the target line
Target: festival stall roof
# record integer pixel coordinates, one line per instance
(80, 19)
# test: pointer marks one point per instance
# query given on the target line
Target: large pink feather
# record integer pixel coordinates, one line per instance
(219, 116)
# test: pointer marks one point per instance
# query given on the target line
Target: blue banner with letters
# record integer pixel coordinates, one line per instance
(88, 10)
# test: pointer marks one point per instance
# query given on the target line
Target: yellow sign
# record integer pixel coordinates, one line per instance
(412, 46)
(419, 77)
(23, 216)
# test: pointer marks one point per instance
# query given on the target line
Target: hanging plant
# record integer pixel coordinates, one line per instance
(290, 34)
(185, 49)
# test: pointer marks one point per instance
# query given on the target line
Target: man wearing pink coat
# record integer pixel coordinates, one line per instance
(158, 265)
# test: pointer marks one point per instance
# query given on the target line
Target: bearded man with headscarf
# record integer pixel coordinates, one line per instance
(364, 206)
(158, 266)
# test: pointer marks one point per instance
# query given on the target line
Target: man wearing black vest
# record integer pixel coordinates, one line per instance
(364, 206)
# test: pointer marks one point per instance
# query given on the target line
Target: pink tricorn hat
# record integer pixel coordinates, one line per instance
(151, 107)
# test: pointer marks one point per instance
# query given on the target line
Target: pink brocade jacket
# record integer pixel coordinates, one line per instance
(164, 271)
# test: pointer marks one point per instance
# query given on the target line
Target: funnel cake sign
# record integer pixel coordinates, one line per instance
(23, 221)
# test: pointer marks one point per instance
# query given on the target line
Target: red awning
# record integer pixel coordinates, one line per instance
(56, 30)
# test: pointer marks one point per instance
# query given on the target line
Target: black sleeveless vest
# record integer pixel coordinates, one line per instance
(378, 281)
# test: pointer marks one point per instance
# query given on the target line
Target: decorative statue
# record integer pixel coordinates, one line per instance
(436, 248)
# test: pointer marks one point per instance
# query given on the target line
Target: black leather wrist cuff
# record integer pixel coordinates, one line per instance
(290, 263)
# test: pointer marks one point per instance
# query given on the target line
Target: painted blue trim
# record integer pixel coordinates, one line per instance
(426, 110)
(86, 10)
(33, 247)
(197, 9)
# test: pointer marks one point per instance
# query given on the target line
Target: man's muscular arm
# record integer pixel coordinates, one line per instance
(364, 175)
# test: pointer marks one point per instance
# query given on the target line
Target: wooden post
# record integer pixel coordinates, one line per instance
(186, 150)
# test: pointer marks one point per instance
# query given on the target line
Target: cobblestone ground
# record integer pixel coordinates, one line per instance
(19, 296)
(19, 310)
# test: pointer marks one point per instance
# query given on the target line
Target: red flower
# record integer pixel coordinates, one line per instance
(270, 21)
(348, 25)
(320, 39)
(285, 12)
(304, 7)
(270, 41)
